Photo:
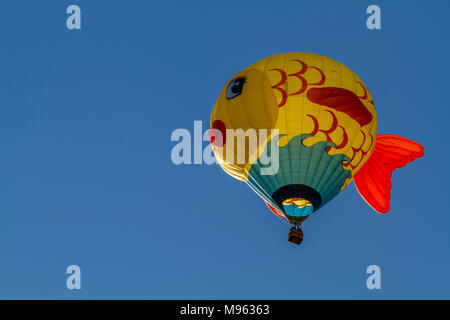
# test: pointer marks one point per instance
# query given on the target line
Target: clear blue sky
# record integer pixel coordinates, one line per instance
(85, 170)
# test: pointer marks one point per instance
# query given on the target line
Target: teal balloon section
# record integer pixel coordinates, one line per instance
(299, 164)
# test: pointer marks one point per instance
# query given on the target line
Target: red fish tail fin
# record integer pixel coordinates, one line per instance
(373, 180)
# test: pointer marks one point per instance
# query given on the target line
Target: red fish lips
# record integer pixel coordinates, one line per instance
(341, 100)
(218, 134)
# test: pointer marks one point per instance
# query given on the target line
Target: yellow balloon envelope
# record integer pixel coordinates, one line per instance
(298, 127)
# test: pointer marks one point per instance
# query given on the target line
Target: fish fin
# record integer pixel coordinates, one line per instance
(275, 211)
(373, 180)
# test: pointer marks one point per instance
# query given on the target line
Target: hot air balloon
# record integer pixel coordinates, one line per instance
(319, 119)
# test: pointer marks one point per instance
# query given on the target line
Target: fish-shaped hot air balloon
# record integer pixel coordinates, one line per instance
(319, 119)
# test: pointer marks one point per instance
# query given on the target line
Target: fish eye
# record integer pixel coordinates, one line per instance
(235, 88)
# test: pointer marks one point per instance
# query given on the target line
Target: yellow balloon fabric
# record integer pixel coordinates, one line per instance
(326, 122)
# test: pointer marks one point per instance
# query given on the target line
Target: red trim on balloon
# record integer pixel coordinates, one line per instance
(364, 96)
(322, 78)
(316, 125)
(344, 139)
(281, 90)
(298, 76)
